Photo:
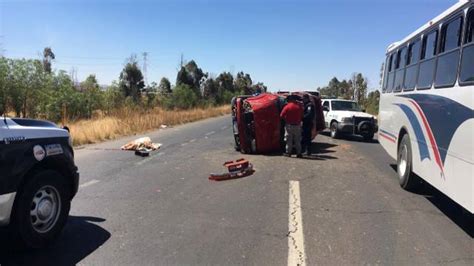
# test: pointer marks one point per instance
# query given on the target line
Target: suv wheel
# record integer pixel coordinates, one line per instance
(368, 137)
(407, 179)
(41, 209)
(334, 132)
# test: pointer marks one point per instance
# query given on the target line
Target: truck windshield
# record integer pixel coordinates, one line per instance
(344, 106)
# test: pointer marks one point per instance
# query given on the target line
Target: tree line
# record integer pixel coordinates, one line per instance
(30, 88)
(353, 89)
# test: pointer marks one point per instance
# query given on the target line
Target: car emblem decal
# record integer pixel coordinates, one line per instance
(39, 153)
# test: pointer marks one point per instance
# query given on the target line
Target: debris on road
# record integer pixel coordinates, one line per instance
(238, 169)
(142, 146)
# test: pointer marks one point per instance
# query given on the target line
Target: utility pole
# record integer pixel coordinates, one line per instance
(182, 61)
(145, 54)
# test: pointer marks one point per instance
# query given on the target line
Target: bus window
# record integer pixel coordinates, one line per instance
(427, 66)
(447, 68)
(399, 75)
(391, 73)
(385, 74)
(467, 64)
(412, 67)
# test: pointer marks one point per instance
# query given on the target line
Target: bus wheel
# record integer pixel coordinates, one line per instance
(408, 180)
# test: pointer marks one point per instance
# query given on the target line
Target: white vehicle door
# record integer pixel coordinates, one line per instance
(326, 110)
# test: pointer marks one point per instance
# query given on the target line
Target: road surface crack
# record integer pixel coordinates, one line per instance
(294, 226)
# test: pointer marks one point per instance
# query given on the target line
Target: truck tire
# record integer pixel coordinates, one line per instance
(334, 131)
(41, 209)
(368, 137)
(408, 180)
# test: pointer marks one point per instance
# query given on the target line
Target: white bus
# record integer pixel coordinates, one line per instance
(426, 119)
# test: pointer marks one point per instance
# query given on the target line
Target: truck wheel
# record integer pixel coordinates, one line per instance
(407, 179)
(368, 137)
(41, 209)
(334, 132)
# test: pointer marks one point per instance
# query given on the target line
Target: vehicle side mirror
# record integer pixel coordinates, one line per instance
(325, 108)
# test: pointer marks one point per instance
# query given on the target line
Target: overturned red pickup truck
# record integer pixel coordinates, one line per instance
(257, 125)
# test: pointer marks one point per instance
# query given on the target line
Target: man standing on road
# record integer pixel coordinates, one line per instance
(308, 119)
(292, 114)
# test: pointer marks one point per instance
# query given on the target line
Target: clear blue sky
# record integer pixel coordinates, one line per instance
(285, 44)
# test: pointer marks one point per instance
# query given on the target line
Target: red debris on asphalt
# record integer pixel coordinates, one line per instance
(238, 169)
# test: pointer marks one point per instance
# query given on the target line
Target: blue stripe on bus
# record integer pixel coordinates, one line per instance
(444, 117)
(420, 137)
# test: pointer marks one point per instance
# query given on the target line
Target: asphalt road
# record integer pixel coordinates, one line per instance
(163, 209)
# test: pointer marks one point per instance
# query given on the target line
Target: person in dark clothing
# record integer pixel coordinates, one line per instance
(308, 118)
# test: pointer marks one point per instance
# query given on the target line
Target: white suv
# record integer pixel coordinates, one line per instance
(345, 117)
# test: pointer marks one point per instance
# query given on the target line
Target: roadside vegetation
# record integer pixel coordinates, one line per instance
(128, 121)
(32, 88)
(353, 89)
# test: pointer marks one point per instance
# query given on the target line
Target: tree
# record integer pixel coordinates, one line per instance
(113, 97)
(184, 97)
(243, 83)
(210, 90)
(4, 71)
(372, 104)
(190, 75)
(360, 88)
(93, 94)
(131, 79)
(259, 88)
(345, 89)
(48, 57)
(332, 89)
(165, 86)
(225, 81)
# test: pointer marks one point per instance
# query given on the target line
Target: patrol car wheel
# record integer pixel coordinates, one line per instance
(407, 179)
(334, 132)
(42, 209)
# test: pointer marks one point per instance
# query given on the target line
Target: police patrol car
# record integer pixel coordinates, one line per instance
(345, 117)
(38, 179)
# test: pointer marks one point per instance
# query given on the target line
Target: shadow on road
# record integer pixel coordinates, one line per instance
(80, 237)
(318, 152)
(447, 206)
(352, 138)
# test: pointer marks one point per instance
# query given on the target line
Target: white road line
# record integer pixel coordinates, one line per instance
(296, 249)
(184, 144)
(89, 183)
(193, 140)
(210, 133)
(151, 157)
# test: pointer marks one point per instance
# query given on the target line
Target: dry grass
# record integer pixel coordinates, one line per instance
(128, 122)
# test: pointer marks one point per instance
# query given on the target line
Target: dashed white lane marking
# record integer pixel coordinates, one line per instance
(210, 133)
(151, 157)
(193, 140)
(296, 249)
(89, 183)
(184, 144)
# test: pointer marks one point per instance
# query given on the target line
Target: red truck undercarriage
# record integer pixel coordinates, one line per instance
(257, 125)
